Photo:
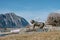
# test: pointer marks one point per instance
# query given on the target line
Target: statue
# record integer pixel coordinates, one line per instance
(37, 24)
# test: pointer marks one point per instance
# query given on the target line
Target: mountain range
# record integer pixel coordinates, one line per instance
(11, 20)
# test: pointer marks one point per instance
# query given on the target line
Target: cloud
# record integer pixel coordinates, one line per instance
(2, 11)
(57, 11)
(28, 15)
(39, 15)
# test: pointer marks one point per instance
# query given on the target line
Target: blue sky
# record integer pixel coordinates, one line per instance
(30, 9)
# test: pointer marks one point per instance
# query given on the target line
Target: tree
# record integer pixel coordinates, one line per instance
(53, 19)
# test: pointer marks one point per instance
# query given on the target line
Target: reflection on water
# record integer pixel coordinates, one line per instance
(3, 34)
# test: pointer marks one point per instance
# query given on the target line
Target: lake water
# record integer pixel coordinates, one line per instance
(3, 34)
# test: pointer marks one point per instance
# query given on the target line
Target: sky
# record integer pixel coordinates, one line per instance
(30, 9)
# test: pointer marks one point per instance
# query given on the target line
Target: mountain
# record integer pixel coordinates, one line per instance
(11, 20)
